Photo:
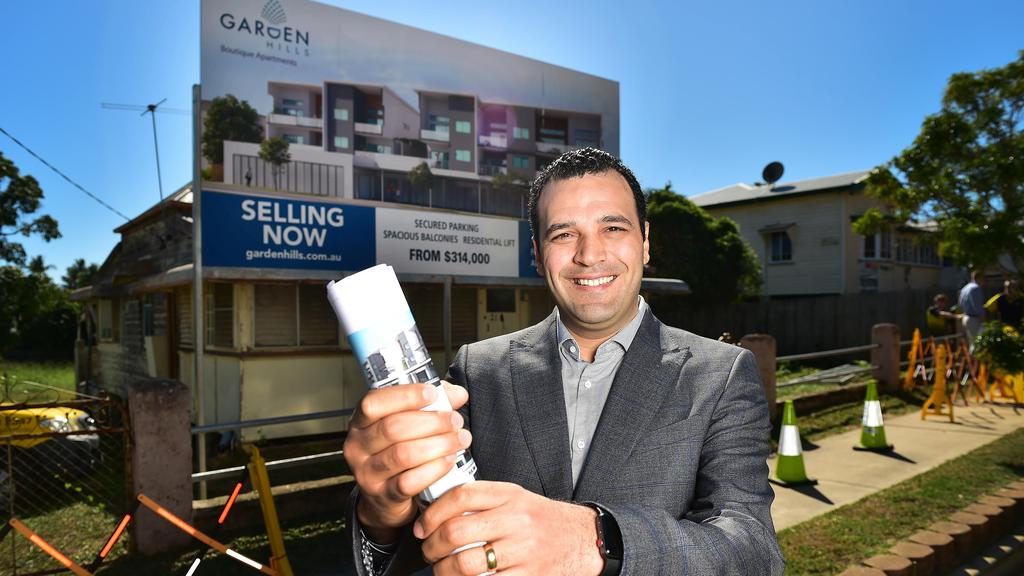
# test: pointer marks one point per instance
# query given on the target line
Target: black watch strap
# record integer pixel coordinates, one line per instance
(609, 540)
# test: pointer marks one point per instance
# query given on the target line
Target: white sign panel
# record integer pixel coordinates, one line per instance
(437, 243)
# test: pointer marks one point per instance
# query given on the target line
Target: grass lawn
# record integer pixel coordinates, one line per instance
(14, 378)
(830, 543)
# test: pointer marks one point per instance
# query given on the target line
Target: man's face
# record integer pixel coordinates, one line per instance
(591, 252)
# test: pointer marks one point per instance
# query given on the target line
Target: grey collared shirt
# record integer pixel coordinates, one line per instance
(586, 384)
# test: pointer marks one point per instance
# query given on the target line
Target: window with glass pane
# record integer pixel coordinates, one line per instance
(292, 107)
(341, 142)
(463, 156)
(522, 162)
(869, 246)
(220, 306)
(463, 126)
(341, 114)
(782, 247)
(318, 325)
(521, 133)
(275, 316)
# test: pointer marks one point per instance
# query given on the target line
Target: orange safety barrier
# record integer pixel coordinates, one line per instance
(45, 547)
(935, 403)
(198, 535)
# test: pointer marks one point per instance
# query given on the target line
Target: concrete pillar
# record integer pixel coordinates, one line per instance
(161, 453)
(763, 347)
(886, 357)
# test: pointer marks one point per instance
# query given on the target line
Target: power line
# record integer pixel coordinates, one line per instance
(64, 176)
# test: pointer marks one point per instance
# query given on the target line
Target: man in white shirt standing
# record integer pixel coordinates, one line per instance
(972, 306)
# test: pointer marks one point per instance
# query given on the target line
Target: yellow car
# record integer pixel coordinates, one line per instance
(39, 442)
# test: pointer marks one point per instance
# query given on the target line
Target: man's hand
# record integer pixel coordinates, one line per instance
(395, 451)
(530, 534)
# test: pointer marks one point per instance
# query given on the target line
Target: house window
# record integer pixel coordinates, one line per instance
(587, 137)
(463, 156)
(110, 320)
(521, 133)
(341, 114)
(341, 142)
(781, 247)
(522, 162)
(438, 159)
(294, 139)
(878, 246)
(292, 107)
(219, 312)
(463, 126)
(438, 123)
(293, 315)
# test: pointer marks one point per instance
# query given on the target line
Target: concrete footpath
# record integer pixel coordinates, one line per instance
(845, 475)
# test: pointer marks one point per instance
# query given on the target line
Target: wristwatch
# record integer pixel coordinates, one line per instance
(609, 540)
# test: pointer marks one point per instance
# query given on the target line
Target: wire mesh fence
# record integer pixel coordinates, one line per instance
(62, 474)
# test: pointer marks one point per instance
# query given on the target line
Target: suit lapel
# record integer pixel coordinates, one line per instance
(537, 386)
(647, 374)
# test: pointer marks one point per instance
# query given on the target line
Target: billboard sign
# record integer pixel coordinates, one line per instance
(274, 232)
(259, 231)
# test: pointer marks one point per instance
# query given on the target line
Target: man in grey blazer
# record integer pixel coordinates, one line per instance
(607, 442)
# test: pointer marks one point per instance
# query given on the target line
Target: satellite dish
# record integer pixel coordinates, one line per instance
(772, 172)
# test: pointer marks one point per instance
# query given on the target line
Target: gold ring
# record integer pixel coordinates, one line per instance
(492, 559)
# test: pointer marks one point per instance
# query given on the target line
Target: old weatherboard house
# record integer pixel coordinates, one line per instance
(803, 233)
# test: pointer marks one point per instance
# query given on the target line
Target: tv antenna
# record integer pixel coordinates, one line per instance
(150, 109)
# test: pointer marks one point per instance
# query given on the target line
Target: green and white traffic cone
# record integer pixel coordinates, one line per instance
(789, 464)
(872, 436)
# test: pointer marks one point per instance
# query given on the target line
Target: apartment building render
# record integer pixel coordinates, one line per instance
(360, 141)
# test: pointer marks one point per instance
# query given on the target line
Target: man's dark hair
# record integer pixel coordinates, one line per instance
(578, 163)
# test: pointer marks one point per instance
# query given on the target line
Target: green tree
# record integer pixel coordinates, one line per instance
(20, 197)
(274, 151)
(229, 118)
(79, 274)
(964, 170)
(707, 252)
(421, 177)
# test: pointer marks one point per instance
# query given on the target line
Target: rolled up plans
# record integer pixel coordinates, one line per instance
(376, 318)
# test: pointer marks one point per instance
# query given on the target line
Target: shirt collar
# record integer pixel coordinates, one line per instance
(623, 337)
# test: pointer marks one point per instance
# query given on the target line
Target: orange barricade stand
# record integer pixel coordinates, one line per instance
(939, 398)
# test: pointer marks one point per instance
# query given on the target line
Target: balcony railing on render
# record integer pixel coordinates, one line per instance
(291, 120)
(490, 170)
(553, 148)
(296, 176)
(494, 140)
(369, 128)
(438, 135)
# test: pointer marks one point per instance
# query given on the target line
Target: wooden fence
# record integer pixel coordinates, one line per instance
(805, 323)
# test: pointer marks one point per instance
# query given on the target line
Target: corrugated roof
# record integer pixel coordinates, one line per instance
(746, 192)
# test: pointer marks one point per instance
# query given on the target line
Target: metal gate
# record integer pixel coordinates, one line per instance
(63, 474)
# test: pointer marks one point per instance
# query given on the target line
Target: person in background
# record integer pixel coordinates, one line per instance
(940, 320)
(1007, 305)
(972, 306)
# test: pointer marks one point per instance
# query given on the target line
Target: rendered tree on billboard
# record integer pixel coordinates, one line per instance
(421, 177)
(274, 151)
(229, 118)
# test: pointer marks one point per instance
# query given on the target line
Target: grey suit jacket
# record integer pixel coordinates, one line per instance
(678, 457)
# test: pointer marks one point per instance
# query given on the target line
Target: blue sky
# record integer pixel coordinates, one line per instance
(710, 92)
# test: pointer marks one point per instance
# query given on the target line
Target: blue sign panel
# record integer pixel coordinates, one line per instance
(527, 262)
(264, 232)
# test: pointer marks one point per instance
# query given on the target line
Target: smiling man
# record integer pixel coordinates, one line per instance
(607, 442)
